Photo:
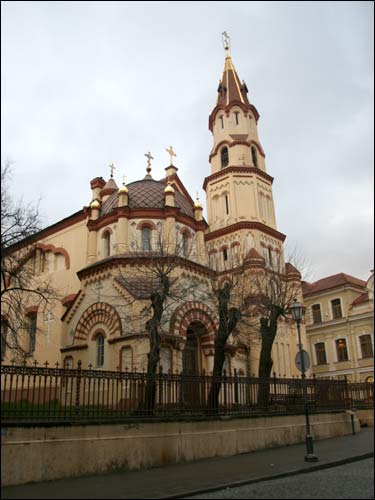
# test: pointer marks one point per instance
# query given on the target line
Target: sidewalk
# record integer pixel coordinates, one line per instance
(181, 480)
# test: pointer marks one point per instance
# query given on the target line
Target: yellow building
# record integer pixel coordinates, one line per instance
(340, 326)
(97, 257)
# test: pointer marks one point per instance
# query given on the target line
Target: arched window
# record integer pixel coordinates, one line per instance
(107, 244)
(100, 350)
(222, 121)
(224, 157)
(254, 156)
(185, 244)
(342, 350)
(236, 117)
(226, 204)
(146, 239)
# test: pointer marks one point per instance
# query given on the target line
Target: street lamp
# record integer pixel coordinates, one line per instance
(297, 313)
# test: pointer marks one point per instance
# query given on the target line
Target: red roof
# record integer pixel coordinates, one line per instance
(361, 299)
(335, 281)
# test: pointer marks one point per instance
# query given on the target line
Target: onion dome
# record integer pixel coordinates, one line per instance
(95, 204)
(197, 204)
(123, 189)
(169, 189)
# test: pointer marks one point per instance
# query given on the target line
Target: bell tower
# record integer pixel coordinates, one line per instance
(239, 190)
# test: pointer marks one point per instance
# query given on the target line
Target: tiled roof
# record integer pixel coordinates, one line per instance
(147, 193)
(334, 281)
(361, 299)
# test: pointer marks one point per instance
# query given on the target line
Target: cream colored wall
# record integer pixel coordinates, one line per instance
(238, 154)
(356, 321)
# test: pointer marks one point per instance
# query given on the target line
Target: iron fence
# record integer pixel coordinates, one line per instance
(41, 395)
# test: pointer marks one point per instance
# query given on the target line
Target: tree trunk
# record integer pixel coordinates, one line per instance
(268, 330)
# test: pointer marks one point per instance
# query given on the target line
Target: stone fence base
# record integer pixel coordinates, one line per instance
(46, 453)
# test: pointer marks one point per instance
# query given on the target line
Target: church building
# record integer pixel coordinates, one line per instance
(103, 258)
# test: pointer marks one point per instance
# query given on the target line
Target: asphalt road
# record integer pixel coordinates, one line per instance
(353, 480)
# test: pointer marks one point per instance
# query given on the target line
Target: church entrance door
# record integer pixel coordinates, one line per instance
(191, 365)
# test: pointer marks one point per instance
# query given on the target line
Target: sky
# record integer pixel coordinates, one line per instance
(85, 84)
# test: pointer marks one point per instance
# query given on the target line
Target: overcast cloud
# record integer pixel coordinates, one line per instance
(88, 83)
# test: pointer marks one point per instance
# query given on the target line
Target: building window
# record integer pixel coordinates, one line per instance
(270, 257)
(100, 350)
(146, 239)
(342, 351)
(254, 156)
(107, 244)
(336, 309)
(4, 335)
(222, 121)
(316, 313)
(366, 346)
(224, 157)
(226, 204)
(185, 244)
(32, 332)
(320, 351)
(236, 115)
(225, 254)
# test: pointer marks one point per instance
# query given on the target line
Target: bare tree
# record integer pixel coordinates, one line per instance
(21, 263)
(157, 281)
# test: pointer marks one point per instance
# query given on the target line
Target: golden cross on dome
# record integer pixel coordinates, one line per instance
(171, 153)
(149, 158)
(123, 180)
(226, 40)
(112, 167)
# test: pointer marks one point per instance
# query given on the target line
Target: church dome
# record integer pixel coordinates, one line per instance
(148, 193)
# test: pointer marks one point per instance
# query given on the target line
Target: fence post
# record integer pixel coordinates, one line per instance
(78, 387)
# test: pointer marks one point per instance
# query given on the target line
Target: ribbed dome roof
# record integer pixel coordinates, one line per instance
(147, 193)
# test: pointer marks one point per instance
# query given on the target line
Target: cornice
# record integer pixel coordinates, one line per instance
(236, 170)
(140, 259)
(146, 213)
(226, 109)
(244, 225)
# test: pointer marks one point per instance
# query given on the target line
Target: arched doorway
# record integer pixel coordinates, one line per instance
(193, 389)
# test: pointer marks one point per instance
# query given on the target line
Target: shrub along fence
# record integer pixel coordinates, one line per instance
(42, 395)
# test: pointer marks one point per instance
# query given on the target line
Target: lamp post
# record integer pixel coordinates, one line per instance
(297, 312)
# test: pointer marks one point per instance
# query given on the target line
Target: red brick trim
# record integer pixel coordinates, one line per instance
(244, 225)
(100, 312)
(243, 170)
(189, 312)
(69, 348)
(146, 223)
(56, 250)
(31, 310)
(235, 143)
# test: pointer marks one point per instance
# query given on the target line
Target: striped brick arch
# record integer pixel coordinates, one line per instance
(100, 312)
(191, 312)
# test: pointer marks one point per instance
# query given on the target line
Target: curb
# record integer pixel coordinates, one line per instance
(259, 479)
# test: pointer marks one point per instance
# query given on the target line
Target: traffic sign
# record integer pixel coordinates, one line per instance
(306, 360)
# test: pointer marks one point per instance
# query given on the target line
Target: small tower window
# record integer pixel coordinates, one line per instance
(185, 244)
(226, 204)
(254, 156)
(225, 254)
(236, 117)
(224, 157)
(146, 239)
(222, 121)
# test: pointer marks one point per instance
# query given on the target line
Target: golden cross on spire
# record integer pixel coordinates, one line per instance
(171, 153)
(149, 158)
(123, 180)
(112, 167)
(226, 40)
